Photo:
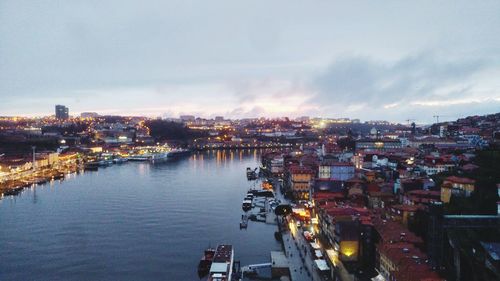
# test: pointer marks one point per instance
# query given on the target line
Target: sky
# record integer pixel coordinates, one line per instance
(373, 60)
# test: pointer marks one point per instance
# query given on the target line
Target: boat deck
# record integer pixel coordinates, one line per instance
(223, 253)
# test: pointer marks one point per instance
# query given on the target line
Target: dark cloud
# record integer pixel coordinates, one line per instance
(240, 112)
(352, 80)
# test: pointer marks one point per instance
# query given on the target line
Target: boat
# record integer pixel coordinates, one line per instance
(222, 264)
(105, 163)
(177, 152)
(150, 153)
(251, 174)
(246, 205)
(120, 160)
(254, 192)
(277, 236)
(140, 157)
(261, 193)
(58, 176)
(265, 193)
(91, 166)
(158, 156)
(206, 262)
(244, 221)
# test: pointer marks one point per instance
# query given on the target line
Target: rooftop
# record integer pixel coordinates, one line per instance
(455, 179)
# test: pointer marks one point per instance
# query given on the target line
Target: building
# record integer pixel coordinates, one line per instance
(279, 265)
(303, 119)
(115, 136)
(187, 118)
(403, 213)
(300, 181)
(277, 165)
(346, 240)
(456, 186)
(404, 262)
(378, 144)
(339, 171)
(62, 112)
(89, 115)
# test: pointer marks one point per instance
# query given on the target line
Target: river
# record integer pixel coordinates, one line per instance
(134, 221)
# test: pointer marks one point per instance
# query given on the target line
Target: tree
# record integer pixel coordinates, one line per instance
(166, 130)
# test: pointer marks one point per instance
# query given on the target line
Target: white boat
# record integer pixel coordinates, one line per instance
(159, 156)
(179, 152)
(141, 157)
(120, 160)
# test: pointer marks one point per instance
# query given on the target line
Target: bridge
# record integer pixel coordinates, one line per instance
(470, 221)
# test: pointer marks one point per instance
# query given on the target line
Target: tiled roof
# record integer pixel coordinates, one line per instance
(462, 180)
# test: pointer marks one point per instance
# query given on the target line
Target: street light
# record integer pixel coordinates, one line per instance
(34, 158)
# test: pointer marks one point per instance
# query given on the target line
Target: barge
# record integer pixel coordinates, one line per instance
(206, 262)
(222, 264)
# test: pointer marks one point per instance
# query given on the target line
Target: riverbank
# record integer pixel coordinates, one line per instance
(18, 182)
(241, 146)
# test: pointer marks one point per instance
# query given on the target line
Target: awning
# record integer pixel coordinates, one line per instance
(321, 264)
(315, 246)
(318, 253)
(378, 278)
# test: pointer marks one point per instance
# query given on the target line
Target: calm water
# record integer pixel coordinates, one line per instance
(135, 221)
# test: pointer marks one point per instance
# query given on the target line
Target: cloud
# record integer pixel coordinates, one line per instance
(367, 86)
(239, 59)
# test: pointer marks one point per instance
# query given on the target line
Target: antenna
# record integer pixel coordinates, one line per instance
(409, 120)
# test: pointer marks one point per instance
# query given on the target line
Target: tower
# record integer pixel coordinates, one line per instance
(62, 112)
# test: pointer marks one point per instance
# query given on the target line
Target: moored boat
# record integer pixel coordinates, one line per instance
(222, 264)
(206, 262)
(247, 205)
(120, 160)
(177, 152)
(251, 174)
(91, 166)
(158, 156)
(141, 157)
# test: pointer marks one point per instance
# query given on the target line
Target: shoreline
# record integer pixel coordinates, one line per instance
(15, 186)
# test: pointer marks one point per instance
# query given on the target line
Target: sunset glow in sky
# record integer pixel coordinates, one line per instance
(391, 60)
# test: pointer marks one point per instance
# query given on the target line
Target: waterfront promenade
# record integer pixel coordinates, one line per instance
(301, 263)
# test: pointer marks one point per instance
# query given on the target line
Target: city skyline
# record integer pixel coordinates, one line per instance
(183, 116)
(401, 61)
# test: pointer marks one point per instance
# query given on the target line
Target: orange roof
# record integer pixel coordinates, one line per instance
(301, 170)
(421, 192)
(408, 208)
(462, 180)
(325, 195)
